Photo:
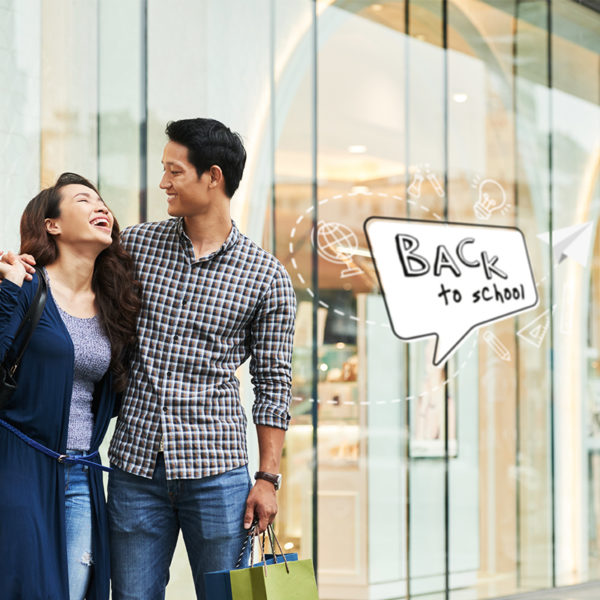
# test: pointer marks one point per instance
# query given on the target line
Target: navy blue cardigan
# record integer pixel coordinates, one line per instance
(33, 563)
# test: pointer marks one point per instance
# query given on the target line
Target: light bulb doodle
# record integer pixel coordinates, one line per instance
(337, 243)
(492, 198)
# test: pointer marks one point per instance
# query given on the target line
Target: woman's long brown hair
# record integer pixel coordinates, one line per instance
(117, 292)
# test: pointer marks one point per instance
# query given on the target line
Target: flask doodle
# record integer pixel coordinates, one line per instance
(414, 189)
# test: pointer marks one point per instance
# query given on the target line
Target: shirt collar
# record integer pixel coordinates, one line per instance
(230, 242)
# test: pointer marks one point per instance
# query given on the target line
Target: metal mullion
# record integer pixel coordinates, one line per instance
(315, 287)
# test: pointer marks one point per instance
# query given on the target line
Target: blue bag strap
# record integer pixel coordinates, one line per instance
(61, 458)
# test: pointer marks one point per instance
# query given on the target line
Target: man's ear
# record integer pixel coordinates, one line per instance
(52, 227)
(216, 176)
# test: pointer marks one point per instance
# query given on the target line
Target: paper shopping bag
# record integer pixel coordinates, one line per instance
(294, 581)
(217, 584)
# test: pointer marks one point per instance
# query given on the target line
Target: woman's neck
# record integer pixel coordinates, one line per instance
(72, 272)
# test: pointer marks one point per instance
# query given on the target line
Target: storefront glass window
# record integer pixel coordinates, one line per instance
(476, 479)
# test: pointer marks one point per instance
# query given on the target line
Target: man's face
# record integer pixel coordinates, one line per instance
(187, 194)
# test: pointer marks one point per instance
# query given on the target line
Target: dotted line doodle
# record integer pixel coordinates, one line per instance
(307, 213)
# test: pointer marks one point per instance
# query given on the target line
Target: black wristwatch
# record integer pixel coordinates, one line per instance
(275, 479)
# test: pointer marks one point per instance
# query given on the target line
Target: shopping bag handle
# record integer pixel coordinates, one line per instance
(252, 534)
(272, 536)
(249, 536)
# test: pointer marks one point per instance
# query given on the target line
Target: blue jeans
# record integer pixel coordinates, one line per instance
(145, 516)
(78, 523)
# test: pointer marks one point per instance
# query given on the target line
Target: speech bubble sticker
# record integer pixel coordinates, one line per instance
(448, 279)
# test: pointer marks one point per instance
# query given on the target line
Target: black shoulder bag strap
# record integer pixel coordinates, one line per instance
(29, 323)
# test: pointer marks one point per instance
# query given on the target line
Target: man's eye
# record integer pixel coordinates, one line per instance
(175, 172)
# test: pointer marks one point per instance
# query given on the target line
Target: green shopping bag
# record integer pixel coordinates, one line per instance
(284, 580)
(275, 582)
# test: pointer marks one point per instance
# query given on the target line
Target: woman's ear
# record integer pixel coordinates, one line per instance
(52, 227)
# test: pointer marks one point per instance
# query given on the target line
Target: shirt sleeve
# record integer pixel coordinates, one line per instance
(12, 311)
(272, 340)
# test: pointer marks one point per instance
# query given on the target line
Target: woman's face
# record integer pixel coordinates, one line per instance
(84, 218)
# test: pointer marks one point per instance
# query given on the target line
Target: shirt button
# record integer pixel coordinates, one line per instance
(164, 409)
(175, 337)
(168, 373)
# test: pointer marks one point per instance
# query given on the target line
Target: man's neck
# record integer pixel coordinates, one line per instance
(207, 232)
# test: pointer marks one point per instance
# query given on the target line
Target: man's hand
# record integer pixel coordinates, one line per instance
(12, 268)
(7, 262)
(261, 505)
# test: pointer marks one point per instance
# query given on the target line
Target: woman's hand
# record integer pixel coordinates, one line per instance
(12, 268)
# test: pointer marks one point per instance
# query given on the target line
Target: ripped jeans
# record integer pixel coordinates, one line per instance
(78, 522)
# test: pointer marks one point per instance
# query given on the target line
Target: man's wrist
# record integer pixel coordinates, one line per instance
(273, 478)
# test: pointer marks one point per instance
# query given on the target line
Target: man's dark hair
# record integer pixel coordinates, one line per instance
(209, 143)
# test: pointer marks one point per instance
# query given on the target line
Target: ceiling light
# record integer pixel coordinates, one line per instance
(357, 149)
(460, 97)
(360, 189)
(376, 7)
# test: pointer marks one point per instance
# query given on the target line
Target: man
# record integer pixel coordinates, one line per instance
(211, 299)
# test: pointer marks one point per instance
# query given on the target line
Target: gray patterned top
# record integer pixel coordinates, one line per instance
(92, 359)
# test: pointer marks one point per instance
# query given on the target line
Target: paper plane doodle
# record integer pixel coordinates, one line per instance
(571, 242)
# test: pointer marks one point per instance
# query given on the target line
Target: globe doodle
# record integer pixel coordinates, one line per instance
(337, 243)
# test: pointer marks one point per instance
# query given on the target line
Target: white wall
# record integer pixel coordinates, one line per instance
(20, 44)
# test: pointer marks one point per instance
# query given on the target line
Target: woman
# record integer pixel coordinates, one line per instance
(53, 528)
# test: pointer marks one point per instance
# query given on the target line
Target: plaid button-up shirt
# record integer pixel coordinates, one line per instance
(200, 320)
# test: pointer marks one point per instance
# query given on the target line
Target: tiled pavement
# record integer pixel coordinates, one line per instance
(588, 591)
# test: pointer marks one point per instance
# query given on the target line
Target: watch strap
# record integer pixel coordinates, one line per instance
(271, 477)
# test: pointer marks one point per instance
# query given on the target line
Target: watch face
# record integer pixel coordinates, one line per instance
(278, 482)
